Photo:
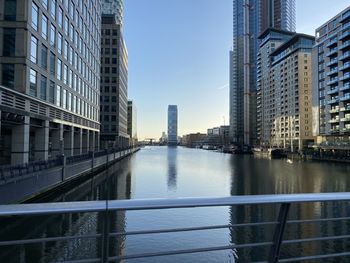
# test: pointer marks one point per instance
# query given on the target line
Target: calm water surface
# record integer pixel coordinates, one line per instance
(161, 172)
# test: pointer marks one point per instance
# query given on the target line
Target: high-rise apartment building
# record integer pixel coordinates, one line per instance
(114, 85)
(172, 125)
(331, 90)
(270, 40)
(115, 7)
(250, 19)
(49, 72)
(285, 90)
(132, 122)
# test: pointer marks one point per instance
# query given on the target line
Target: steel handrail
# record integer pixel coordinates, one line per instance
(154, 204)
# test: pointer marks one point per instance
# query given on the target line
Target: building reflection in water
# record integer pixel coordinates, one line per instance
(115, 183)
(172, 168)
(259, 176)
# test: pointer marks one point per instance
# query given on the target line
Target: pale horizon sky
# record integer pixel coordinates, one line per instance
(178, 54)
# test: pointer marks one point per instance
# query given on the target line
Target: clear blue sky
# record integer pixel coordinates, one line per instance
(178, 54)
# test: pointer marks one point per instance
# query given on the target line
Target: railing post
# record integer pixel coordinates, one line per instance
(64, 164)
(105, 236)
(278, 235)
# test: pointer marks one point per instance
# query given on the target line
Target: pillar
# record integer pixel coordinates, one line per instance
(97, 141)
(85, 141)
(20, 142)
(78, 136)
(68, 141)
(41, 142)
(92, 140)
(57, 141)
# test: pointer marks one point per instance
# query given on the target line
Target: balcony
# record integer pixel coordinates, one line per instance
(333, 101)
(334, 120)
(334, 130)
(332, 42)
(334, 110)
(346, 25)
(345, 55)
(332, 62)
(344, 35)
(344, 45)
(345, 66)
(345, 87)
(333, 91)
(346, 108)
(332, 72)
(345, 16)
(331, 52)
(332, 81)
(345, 76)
(345, 119)
(345, 98)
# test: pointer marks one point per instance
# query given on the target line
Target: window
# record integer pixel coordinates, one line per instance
(60, 17)
(32, 81)
(34, 49)
(65, 74)
(44, 27)
(9, 41)
(10, 8)
(52, 35)
(35, 16)
(44, 2)
(64, 99)
(71, 55)
(66, 25)
(8, 75)
(59, 69)
(59, 43)
(69, 100)
(58, 95)
(71, 32)
(53, 9)
(65, 50)
(52, 92)
(44, 57)
(43, 83)
(52, 64)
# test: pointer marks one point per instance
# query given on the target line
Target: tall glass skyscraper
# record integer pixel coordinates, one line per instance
(115, 7)
(250, 19)
(172, 125)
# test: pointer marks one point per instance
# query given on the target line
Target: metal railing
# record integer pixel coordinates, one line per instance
(107, 207)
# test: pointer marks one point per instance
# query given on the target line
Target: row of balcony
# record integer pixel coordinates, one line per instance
(336, 120)
(344, 45)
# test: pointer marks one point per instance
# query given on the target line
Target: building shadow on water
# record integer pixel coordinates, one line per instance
(172, 168)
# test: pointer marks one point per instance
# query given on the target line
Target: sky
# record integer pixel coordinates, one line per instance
(178, 54)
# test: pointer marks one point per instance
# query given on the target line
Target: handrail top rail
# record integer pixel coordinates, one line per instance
(149, 204)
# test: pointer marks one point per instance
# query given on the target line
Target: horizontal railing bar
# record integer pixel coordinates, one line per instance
(342, 254)
(45, 239)
(311, 239)
(170, 253)
(188, 251)
(92, 260)
(148, 204)
(171, 230)
(317, 220)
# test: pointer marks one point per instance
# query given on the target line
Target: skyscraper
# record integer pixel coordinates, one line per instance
(172, 125)
(114, 84)
(250, 19)
(115, 7)
(49, 72)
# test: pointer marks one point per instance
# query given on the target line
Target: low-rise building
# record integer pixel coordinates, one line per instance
(193, 140)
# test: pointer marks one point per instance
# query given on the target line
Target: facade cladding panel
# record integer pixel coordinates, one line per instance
(172, 125)
(114, 81)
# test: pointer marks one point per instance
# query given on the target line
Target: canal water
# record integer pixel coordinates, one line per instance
(162, 172)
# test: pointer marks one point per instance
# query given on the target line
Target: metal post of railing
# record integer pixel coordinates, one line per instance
(105, 236)
(278, 235)
(64, 164)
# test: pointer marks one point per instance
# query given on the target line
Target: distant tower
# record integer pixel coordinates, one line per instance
(172, 125)
(115, 7)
